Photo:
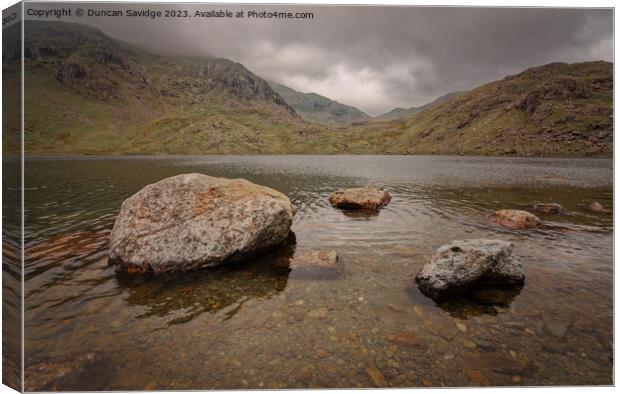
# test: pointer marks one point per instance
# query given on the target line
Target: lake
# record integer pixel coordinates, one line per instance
(255, 325)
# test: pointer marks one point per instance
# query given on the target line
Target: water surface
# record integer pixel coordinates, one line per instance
(254, 325)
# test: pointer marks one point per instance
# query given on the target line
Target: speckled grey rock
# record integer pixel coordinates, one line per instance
(458, 265)
(192, 221)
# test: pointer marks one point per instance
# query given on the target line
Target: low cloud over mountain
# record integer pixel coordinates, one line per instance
(377, 58)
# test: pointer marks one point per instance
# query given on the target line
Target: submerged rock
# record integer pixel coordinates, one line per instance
(458, 265)
(557, 328)
(498, 362)
(516, 219)
(192, 221)
(598, 207)
(548, 208)
(318, 313)
(406, 339)
(315, 264)
(85, 371)
(367, 197)
(377, 378)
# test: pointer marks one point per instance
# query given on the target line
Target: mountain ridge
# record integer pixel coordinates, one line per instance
(319, 109)
(86, 93)
(405, 113)
(558, 109)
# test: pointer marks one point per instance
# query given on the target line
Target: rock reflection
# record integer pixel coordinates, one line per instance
(360, 214)
(477, 301)
(183, 297)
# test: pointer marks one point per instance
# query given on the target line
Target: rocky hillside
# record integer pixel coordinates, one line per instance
(406, 113)
(89, 93)
(316, 108)
(554, 110)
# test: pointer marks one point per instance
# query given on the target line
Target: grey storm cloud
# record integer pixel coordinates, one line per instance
(374, 58)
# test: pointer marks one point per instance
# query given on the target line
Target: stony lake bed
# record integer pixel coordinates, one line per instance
(256, 324)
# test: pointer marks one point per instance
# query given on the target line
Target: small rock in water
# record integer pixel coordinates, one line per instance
(426, 383)
(469, 344)
(315, 264)
(598, 207)
(445, 329)
(458, 265)
(150, 386)
(477, 377)
(368, 197)
(116, 324)
(557, 328)
(377, 378)
(516, 219)
(462, 327)
(485, 345)
(550, 208)
(319, 313)
(405, 339)
(496, 362)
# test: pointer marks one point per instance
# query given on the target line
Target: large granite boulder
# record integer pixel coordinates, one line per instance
(367, 197)
(192, 221)
(459, 265)
(513, 218)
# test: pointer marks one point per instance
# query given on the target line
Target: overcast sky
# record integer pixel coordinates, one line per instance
(377, 58)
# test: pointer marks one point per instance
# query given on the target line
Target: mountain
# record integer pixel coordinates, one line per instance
(406, 113)
(557, 109)
(89, 93)
(315, 108)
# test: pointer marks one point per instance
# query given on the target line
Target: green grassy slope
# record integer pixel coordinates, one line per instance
(316, 108)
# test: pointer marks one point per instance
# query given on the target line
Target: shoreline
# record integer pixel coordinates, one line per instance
(172, 155)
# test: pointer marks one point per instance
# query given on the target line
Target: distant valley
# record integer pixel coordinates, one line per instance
(316, 108)
(406, 113)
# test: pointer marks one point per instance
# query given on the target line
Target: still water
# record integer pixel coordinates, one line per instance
(254, 325)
